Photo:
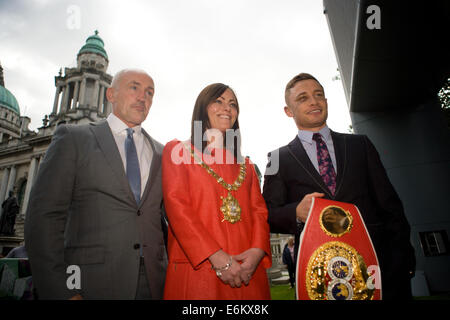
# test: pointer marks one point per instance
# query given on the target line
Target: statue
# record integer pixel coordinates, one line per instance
(8, 218)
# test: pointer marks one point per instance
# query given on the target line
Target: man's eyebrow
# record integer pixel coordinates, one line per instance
(300, 94)
(304, 92)
(139, 84)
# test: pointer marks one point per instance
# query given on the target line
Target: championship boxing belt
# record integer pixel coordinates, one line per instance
(336, 259)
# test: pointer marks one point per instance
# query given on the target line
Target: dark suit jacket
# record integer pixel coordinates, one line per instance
(361, 180)
(83, 212)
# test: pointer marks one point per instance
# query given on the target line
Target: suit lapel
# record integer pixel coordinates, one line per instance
(298, 152)
(154, 167)
(108, 145)
(340, 151)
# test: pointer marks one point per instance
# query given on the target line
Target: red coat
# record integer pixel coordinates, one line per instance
(192, 201)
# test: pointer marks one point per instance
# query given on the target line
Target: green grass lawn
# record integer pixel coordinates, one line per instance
(282, 292)
(442, 296)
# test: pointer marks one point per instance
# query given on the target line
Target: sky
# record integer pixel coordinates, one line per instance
(254, 46)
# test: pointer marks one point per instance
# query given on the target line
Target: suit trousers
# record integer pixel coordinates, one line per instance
(143, 289)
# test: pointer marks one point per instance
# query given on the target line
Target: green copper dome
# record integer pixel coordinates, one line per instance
(8, 100)
(94, 44)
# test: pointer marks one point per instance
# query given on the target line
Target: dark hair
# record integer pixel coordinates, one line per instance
(300, 77)
(208, 95)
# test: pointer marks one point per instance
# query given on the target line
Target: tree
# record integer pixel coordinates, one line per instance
(444, 97)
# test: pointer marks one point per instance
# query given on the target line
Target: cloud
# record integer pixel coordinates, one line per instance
(253, 46)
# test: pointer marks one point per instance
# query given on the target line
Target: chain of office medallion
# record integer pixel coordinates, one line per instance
(219, 179)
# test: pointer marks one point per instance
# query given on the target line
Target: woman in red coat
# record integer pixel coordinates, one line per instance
(218, 239)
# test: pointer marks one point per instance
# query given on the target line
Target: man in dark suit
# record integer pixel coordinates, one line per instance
(342, 167)
(96, 205)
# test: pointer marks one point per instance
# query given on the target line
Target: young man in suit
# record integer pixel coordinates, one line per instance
(342, 167)
(96, 204)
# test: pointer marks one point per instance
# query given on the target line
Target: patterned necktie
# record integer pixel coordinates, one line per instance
(133, 171)
(326, 168)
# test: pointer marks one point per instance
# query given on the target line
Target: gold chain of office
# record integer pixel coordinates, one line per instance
(230, 208)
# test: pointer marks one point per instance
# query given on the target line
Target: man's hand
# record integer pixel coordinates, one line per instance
(303, 207)
(77, 297)
(250, 260)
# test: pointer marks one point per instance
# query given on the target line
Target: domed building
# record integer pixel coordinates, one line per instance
(11, 122)
(80, 97)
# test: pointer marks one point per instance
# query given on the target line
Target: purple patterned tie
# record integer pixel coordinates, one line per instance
(326, 168)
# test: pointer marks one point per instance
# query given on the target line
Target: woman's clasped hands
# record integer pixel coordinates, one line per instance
(238, 269)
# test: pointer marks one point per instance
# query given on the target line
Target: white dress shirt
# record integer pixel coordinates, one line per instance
(143, 148)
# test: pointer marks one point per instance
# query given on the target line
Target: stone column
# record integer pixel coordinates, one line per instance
(10, 185)
(11, 180)
(82, 91)
(75, 95)
(101, 109)
(95, 97)
(30, 179)
(5, 177)
(66, 106)
(55, 103)
(4, 184)
(64, 94)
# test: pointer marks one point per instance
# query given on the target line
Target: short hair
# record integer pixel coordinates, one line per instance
(116, 79)
(300, 77)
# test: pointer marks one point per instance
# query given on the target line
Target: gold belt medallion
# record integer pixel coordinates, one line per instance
(336, 271)
(335, 221)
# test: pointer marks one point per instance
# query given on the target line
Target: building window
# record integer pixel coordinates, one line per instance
(434, 243)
